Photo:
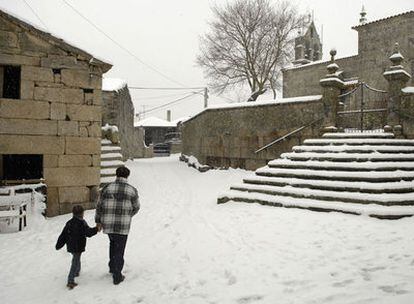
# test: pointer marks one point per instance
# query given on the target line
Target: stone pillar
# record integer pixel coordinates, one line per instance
(331, 89)
(397, 79)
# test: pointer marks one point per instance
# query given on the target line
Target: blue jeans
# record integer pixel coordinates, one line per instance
(75, 267)
(117, 243)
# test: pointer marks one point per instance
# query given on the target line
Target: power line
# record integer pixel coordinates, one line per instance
(157, 97)
(34, 13)
(120, 46)
(165, 89)
(160, 96)
(170, 103)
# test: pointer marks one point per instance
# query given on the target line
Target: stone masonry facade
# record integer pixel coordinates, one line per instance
(375, 44)
(118, 110)
(229, 137)
(57, 114)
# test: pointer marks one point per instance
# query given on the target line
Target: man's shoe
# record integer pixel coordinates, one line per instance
(71, 285)
(121, 279)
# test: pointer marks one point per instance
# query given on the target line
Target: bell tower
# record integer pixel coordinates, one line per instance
(308, 45)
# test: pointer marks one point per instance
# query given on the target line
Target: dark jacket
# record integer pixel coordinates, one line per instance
(74, 235)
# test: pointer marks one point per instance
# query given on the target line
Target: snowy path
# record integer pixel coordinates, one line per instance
(184, 248)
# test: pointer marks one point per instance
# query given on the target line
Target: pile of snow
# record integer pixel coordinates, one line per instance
(113, 84)
(111, 128)
(408, 90)
(193, 162)
(397, 55)
(268, 102)
(155, 122)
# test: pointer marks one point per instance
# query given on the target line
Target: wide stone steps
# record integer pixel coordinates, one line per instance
(358, 142)
(386, 199)
(337, 175)
(359, 135)
(363, 187)
(341, 166)
(372, 210)
(355, 149)
(349, 157)
(357, 173)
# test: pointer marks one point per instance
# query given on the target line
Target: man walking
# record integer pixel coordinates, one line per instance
(117, 204)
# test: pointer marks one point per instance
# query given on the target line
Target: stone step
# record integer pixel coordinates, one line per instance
(106, 142)
(375, 176)
(372, 210)
(355, 149)
(111, 164)
(359, 142)
(349, 157)
(107, 180)
(333, 185)
(359, 135)
(110, 149)
(341, 166)
(385, 199)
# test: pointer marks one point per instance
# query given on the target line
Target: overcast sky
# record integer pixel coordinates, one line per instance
(164, 34)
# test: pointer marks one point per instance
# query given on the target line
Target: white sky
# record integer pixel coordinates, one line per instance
(165, 33)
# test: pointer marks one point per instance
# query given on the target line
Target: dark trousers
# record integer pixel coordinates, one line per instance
(117, 243)
(75, 267)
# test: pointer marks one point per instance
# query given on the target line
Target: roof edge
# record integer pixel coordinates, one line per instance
(356, 27)
(55, 40)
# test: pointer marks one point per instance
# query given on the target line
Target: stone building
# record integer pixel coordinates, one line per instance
(118, 110)
(50, 114)
(375, 44)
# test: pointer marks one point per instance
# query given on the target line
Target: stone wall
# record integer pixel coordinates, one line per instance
(229, 137)
(118, 110)
(142, 150)
(375, 44)
(58, 114)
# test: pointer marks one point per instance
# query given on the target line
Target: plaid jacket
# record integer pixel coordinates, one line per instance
(117, 204)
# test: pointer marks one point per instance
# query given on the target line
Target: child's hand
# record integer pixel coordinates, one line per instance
(99, 227)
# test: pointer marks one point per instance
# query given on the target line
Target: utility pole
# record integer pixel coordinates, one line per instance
(205, 97)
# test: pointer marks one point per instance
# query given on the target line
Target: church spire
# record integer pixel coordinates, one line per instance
(363, 14)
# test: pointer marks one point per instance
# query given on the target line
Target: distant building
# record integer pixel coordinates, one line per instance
(376, 41)
(156, 129)
(50, 114)
(118, 110)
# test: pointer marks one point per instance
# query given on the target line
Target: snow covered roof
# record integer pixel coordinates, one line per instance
(155, 122)
(53, 39)
(113, 84)
(382, 19)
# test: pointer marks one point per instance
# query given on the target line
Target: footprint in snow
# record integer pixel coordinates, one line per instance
(249, 299)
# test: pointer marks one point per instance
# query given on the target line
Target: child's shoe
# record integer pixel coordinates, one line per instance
(71, 285)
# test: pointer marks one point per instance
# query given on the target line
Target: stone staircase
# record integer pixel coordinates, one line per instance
(355, 173)
(111, 158)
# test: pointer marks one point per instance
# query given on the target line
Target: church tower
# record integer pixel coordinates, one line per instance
(308, 46)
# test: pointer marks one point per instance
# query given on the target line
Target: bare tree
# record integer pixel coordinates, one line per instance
(248, 43)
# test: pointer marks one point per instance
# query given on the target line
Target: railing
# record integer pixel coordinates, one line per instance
(284, 137)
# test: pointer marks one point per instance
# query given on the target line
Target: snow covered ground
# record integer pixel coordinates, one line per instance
(184, 248)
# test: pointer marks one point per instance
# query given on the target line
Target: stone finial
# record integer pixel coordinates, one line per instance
(363, 14)
(332, 67)
(396, 57)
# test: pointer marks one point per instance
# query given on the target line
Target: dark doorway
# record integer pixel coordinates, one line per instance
(19, 167)
(11, 81)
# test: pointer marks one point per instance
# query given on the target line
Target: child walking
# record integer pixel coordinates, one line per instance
(74, 236)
